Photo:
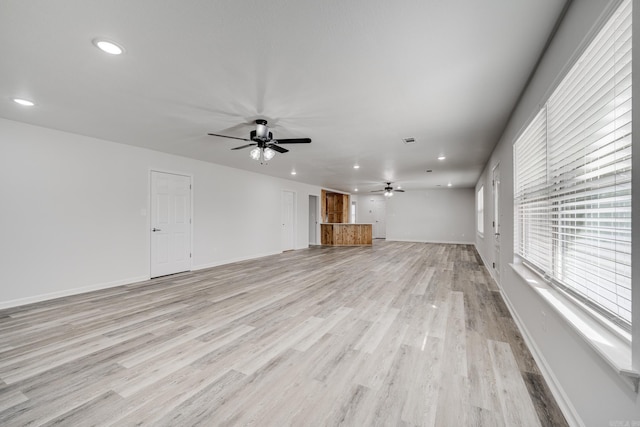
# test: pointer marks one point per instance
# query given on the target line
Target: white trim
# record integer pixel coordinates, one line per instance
(70, 292)
(496, 240)
(232, 260)
(149, 212)
(353, 203)
(316, 226)
(478, 199)
(613, 347)
(100, 286)
(295, 219)
(444, 242)
(568, 410)
(486, 264)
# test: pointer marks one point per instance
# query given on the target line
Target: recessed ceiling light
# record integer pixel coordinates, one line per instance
(293, 172)
(449, 185)
(399, 187)
(355, 189)
(108, 46)
(356, 166)
(24, 102)
(441, 158)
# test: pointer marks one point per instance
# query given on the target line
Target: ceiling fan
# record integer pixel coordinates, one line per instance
(388, 190)
(265, 146)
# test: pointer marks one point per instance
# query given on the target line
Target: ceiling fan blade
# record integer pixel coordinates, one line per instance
(294, 141)
(399, 191)
(243, 146)
(232, 137)
(275, 147)
(377, 191)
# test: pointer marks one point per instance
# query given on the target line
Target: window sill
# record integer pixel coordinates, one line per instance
(614, 348)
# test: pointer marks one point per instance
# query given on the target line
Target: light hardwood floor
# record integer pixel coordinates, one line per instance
(398, 334)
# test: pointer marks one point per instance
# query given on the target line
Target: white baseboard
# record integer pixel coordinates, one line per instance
(489, 269)
(95, 287)
(232, 260)
(68, 292)
(569, 412)
(389, 239)
(561, 397)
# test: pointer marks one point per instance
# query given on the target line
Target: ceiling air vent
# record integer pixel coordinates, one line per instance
(409, 140)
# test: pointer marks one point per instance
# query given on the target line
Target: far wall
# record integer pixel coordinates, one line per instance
(435, 216)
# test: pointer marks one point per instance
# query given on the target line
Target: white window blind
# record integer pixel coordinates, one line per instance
(533, 228)
(480, 209)
(573, 176)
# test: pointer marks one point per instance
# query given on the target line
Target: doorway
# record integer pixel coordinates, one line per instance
(313, 220)
(496, 222)
(379, 218)
(353, 217)
(170, 223)
(288, 220)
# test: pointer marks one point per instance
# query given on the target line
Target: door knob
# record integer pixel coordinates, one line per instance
(156, 229)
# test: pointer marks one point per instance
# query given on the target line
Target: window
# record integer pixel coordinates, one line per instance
(480, 209)
(572, 177)
(532, 221)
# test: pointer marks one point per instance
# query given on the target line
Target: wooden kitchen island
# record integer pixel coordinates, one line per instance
(345, 234)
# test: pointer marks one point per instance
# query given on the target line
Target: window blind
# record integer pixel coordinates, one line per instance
(533, 231)
(573, 176)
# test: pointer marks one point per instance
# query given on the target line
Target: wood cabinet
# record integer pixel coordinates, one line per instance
(334, 207)
(346, 234)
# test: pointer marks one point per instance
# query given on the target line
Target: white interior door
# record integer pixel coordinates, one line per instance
(288, 220)
(170, 223)
(313, 220)
(353, 217)
(380, 218)
(496, 223)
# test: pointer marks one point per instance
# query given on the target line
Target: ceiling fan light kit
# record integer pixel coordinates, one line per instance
(255, 153)
(265, 147)
(388, 190)
(262, 155)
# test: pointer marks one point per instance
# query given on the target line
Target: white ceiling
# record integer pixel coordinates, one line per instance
(356, 76)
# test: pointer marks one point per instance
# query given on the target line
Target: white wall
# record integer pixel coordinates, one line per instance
(436, 216)
(439, 216)
(364, 208)
(589, 390)
(73, 212)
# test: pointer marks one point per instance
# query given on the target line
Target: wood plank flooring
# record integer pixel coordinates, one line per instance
(402, 334)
